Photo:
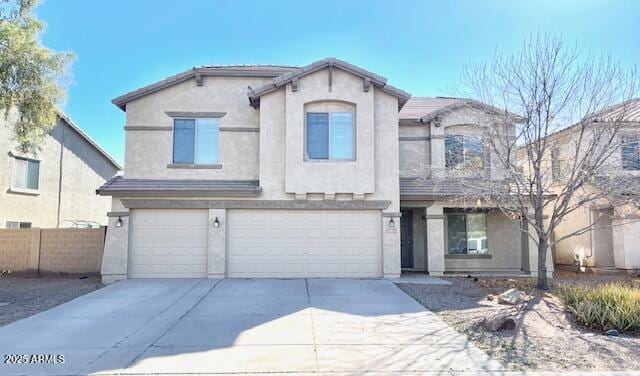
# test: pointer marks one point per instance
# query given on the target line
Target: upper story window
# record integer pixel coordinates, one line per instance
(329, 136)
(464, 152)
(195, 141)
(631, 153)
(26, 173)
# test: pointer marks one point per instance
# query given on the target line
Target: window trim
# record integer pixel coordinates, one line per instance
(484, 156)
(467, 255)
(216, 165)
(329, 159)
(25, 190)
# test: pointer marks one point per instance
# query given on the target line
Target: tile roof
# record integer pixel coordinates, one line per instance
(427, 188)
(425, 109)
(431, 187)
(377, 80)
(417, 107)
(627, 111)
(119, 186)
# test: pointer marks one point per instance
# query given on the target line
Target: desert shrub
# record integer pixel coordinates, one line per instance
(609, 306)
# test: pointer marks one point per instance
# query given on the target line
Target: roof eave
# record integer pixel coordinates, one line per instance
(179, 192)
(88, 139)
(282, 80)
(122, 100)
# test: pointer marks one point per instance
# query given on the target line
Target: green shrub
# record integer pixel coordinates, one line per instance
(610, 306)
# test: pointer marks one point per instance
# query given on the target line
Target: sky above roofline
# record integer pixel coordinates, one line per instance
(419, 46)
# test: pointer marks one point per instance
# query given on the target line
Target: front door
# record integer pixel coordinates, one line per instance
(406, 239)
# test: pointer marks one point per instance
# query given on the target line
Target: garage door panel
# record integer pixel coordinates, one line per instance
(299, 243)
(168, 244)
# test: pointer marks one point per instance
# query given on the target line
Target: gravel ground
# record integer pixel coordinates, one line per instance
(546, 337)
(29, 295)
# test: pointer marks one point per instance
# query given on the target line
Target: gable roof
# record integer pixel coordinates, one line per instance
(626, 112)
(89, 140)
(425, 109)
(245, 70)
(282, 80)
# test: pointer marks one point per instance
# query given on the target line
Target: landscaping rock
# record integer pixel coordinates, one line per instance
(512, 297)
(612, 333)
(498, 322)
(490, 297)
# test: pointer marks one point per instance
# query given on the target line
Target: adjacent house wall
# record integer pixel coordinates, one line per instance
(596, 248)
(84, 170)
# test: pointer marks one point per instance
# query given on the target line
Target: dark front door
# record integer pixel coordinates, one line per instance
(406, 239)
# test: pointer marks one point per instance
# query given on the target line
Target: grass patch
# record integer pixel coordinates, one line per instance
(609, 306)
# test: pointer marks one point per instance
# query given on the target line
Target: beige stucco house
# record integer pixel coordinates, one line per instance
(278, 171)
(612, 242)
(57, 186)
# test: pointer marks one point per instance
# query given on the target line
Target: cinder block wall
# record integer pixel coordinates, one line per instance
(52, 250)
(17, 247)
(71, 250)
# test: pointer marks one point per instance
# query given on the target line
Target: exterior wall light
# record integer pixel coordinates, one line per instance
(392, 223)
(119, 222)
(216, 223)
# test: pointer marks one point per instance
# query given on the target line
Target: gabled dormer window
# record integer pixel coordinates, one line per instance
(329, 136)
(195, 141)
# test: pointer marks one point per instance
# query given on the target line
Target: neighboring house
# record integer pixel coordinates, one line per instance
(613, 242)
(57, 186)
(308, 174)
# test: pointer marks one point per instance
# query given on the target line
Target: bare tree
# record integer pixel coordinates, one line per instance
(551, 87)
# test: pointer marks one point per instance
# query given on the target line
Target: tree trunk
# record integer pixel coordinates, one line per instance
(542, 263)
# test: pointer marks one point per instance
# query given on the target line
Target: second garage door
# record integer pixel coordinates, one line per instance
(168, 243)
(303, 243)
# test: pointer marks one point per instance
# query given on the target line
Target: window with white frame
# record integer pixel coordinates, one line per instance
(329, 136)
(26, 173)
(464, 152)
(195, 141)
(631, 153)
(467, 233)
(16, 224)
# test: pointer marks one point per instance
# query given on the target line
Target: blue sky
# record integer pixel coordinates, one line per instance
(420, 46)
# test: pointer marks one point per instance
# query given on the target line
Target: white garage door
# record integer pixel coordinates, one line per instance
(168, 244)
(303, 243)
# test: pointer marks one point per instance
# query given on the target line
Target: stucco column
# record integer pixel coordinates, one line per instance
(435, 240)
(391, 245)
(216, 244)
(116, 249)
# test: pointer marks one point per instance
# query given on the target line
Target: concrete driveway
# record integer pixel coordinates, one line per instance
(241, 325)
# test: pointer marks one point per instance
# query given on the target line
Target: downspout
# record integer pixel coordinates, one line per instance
(60, 176)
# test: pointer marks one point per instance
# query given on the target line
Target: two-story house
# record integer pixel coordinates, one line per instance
(614, 222)
(280, 171)
(56, 187)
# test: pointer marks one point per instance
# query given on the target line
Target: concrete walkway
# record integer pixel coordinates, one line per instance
(294, 326)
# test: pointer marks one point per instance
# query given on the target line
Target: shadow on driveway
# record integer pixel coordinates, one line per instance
(241, 325)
